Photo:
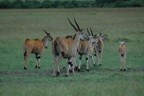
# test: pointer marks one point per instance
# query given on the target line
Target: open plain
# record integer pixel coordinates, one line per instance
(126, 24)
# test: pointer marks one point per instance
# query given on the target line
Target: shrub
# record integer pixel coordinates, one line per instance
(70, 3)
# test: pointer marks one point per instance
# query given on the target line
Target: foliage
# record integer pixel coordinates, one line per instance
(69, 3)
(5, 4)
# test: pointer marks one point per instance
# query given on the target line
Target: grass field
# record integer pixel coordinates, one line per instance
(118, 24)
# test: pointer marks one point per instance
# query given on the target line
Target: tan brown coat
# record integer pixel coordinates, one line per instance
(122, 54)
(65, 47)
(36, 47)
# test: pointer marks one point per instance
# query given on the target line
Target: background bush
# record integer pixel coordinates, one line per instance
(69, 3)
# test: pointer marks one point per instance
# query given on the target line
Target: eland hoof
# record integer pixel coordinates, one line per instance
(66, 75)
(25, 68)
(100, 64)
(78, 70)
(70, 71)
(36, 66)
(57, 74)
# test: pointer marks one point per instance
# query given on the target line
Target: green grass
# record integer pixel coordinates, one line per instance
(119, 24)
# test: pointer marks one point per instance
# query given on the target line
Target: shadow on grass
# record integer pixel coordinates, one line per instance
(63, 72)
(26, 73)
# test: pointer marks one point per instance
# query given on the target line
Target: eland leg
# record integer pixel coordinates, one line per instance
(25, 59)
(124, 62)
(87, 63)
(80, 62)
(121, 64)
(38, 61)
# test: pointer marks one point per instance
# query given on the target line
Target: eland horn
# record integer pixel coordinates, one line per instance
(46, 32)
(88, 32)
(91, 32)
(72, 25)
(77, 25)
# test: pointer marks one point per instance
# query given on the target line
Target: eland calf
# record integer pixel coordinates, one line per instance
(36, 47)
(122, 54)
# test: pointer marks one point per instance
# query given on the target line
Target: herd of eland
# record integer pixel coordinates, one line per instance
(69, 47)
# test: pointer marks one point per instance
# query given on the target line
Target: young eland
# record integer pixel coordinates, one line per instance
(36, 47)
(122, 54)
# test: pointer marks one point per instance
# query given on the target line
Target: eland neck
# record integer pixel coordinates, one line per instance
(76, 42)
(45, 41)
(90, 41)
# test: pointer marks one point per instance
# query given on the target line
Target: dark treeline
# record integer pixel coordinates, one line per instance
(69, 4)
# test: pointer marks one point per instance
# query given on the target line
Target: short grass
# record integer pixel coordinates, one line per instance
(118, 24)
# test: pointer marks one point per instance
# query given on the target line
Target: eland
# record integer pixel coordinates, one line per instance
(86, 48)
(36, 47)
(66, 48)
(122, 54)
(98, 48)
